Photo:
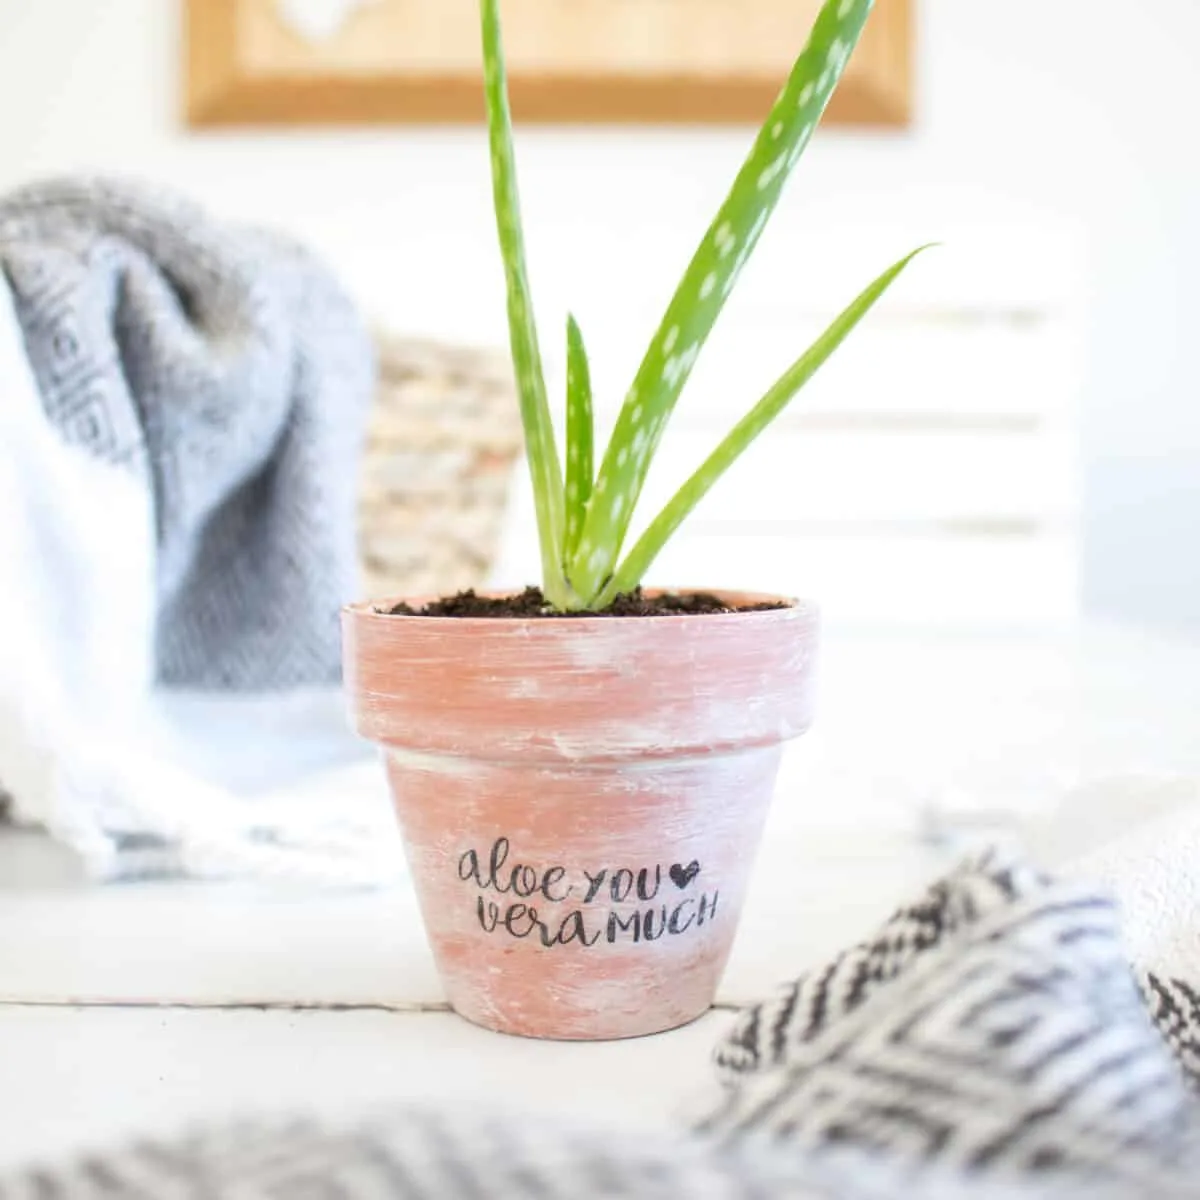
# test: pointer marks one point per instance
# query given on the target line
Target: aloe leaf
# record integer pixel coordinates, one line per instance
(661, 529)
(580, 434)
(541, 451)
(706, 285)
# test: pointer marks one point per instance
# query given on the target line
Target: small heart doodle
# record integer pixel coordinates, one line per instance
(682, 876)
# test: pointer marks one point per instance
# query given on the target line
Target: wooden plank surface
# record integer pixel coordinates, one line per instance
(899, 717)
(89, 1078)
(100, 1037)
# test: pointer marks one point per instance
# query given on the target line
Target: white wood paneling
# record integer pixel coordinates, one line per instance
(876, 476)
(959, 367)
(899, 577)
(928, 473)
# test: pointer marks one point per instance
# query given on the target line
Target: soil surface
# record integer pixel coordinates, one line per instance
(531, 603)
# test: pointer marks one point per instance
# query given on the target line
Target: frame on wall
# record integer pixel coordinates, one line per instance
(254, 62)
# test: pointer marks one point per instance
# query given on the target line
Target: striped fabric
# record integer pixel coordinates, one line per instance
(990, 1041)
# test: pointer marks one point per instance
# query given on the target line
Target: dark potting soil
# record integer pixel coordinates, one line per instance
(532, 603)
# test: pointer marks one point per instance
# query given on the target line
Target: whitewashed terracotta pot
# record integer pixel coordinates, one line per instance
(581, 799)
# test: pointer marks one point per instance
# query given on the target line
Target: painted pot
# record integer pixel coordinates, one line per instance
(581, 799)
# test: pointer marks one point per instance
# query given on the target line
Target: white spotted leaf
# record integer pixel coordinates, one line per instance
(663, 527)
(707, 284)
(540, 448)
(580, 434)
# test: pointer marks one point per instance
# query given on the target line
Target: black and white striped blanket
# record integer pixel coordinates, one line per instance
(992, 1040)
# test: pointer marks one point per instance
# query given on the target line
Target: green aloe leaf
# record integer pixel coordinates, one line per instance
(706, 285)
(660, 530)
(580, 434)
(540, 448)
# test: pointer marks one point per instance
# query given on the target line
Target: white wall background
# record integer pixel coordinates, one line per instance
(1050, 112)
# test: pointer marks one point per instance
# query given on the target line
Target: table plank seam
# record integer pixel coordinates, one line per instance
(416, 1008)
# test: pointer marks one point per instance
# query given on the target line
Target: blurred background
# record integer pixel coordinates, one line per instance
(1013, 437)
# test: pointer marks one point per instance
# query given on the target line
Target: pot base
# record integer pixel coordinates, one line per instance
(607, 1027)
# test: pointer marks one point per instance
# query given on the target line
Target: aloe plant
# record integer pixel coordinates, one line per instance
(584, 516)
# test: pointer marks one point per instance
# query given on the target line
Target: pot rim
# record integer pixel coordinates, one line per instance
(791, 606)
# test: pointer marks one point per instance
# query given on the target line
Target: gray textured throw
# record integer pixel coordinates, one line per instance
(182, 409)
(224, 367)
(990, 1042)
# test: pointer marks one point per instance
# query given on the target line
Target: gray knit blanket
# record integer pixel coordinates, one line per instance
(225, 368)
(991, 1042)
(183, 402)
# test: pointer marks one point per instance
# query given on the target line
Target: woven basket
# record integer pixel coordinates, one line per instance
(441, 444)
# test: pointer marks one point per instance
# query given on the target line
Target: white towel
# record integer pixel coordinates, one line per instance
(1138, 839)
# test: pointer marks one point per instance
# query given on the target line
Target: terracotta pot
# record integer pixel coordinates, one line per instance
(581, 799)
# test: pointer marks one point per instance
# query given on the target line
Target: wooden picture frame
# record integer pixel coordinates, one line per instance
(593, 61)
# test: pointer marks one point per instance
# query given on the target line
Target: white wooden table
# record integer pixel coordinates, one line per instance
(139, 1008)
